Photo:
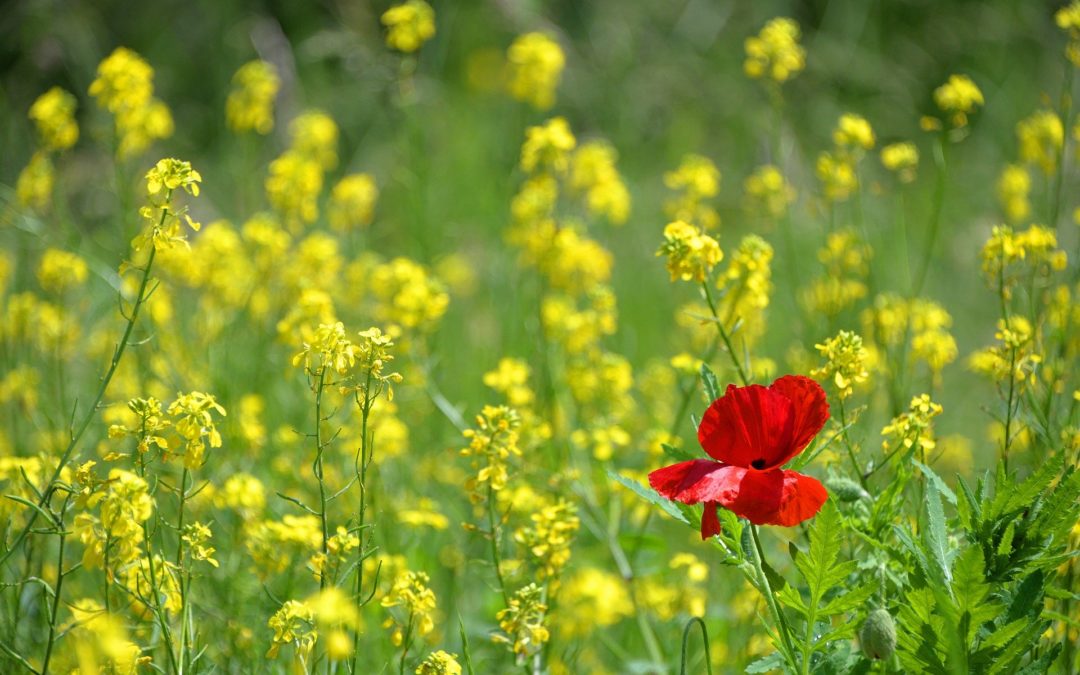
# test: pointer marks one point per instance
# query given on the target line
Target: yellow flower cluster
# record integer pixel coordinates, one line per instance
(745, 287)
(768, 192)
(125, 87)
(522, 623)
(293, 624)
(547, 540)
(116, 531)
(1036, 248)
(845, 362)
(913, 430)
(691, 254)
(162, 229)
(902, 159)
(411, 593)
(195, 538)
(408, 295)
(409, 25)
(250, 105)
(296, 177)
(547, 147)
(275, 545)
(352, 202)
(60, 271)
(439, 663)
(194, 422)
(837, 169)
(846, 260)
(594, 174)
(1015, 357)
(53, 113)
(694, 182)
(34, 186)
(1068, 20)
(492, 443)
(1041, 137)
(535, 63)
(1013, 188)
(590, 599)
(102, 641)
(775, 53)
(893, 319)
(958, 98)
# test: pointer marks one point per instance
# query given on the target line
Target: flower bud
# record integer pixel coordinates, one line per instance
(846, 490)
(878, 635)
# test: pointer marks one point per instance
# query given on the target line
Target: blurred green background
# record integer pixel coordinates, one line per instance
(658, 79)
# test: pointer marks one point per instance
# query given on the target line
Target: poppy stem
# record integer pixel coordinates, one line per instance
(723, 334)
(766, 589)
(847, 445)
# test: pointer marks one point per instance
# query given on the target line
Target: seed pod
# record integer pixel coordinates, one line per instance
(878, 635)
(846, 490)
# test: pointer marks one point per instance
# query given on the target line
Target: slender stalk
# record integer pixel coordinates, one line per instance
(935, 214)
(158, 610)
(114, 364)
(847, 443)
(361, 471)
(317, 468)
(60, 574)
(493, 533)
(405, 645)
(778, 614)
(184, 636)
(704, 639)
(723, 333)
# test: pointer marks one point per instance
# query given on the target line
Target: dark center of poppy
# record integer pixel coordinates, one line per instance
(758, 464)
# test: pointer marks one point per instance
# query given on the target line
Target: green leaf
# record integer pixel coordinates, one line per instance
(677, 453)
(935, 537)
(767, 664)
(849, 601)
(649, 495)
(932, 476)
(712, 386)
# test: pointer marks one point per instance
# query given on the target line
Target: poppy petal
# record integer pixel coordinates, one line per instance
(748, 426)
(801, 499)
(810, 409)
(758, 496)
(698, 480)
(710, 521)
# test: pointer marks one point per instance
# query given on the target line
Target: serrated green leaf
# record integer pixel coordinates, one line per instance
(767, 664)
(935, 537)
(848, 601)
(708, 379)
(790, 597)
(649, 495)
(677, 453)
(932, 476)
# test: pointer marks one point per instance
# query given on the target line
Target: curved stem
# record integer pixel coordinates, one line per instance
(705, 640)
(935, 215)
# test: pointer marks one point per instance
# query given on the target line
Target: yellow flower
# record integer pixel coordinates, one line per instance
(853, 132)
(768, 191)
(958, 97)
(536, 63)
(54, 115)
(1041, 136)
(34, 187)
(124, 81)
(547, 147)
(522, 623)
(593, 172)
(293, 624)
(1068, 20)
(845, 362)
(775, 53)
(902, 159)
(59, 271)
(439, 663)
(837, 175)
(1013, 188)
(695, 181)
(250, 105)
(691, 254)
(352, 202)
(409, 25)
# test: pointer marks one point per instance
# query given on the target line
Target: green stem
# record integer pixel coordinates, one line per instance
(65, 457)
(778, 615)
(705, 641)
(51, 640)
(723, 333)
(184, 637)
(935, 215)
(847, 443)
(317, 468)
(361, 471)
(493, 536)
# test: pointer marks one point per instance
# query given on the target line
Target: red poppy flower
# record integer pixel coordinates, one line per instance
(752, 431)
